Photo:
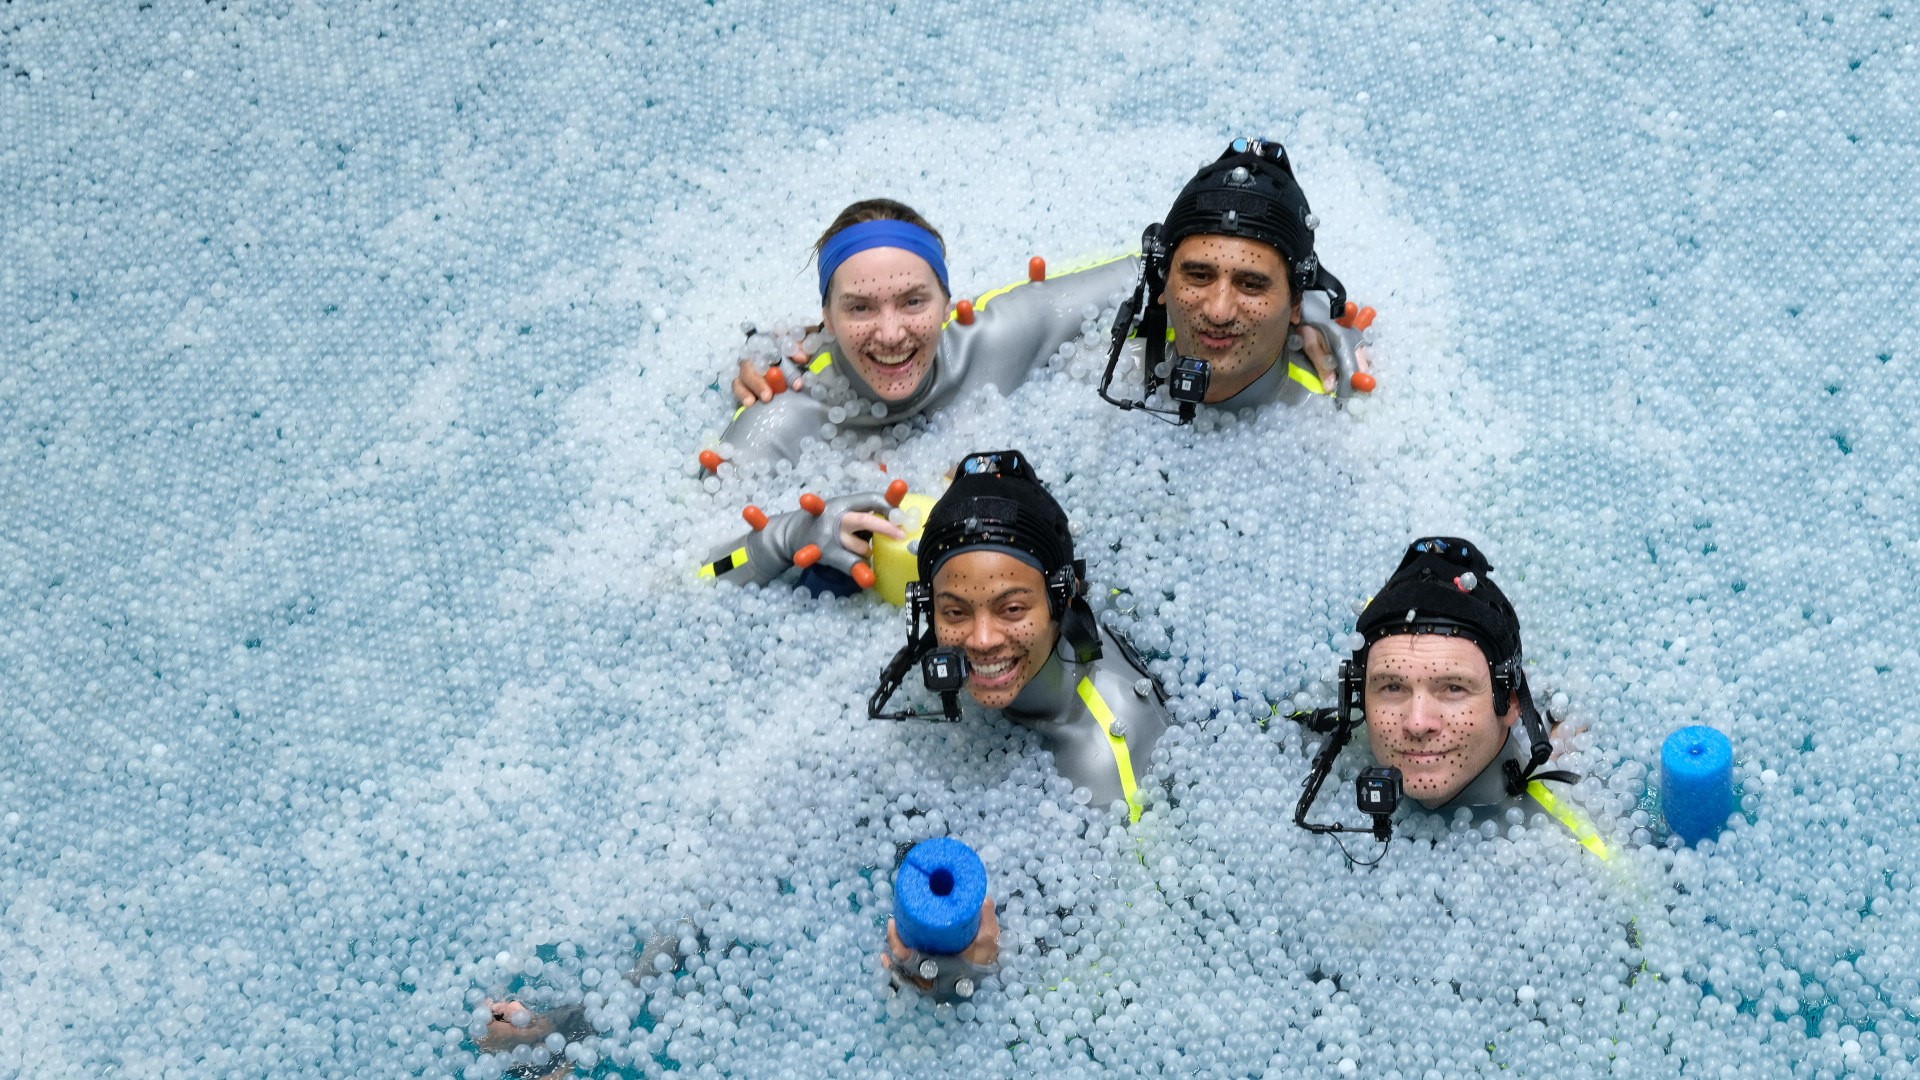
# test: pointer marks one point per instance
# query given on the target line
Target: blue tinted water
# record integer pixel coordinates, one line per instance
(352, 363)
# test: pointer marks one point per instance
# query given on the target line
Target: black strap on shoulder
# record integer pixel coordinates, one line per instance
(1131, 655)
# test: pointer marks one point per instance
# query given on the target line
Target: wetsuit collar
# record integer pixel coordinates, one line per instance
(1261, 390)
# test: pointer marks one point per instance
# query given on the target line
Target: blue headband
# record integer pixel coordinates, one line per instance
(855, 239)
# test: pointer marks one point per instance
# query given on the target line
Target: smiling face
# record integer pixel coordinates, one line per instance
(885, 306)
(995, 607)
(1429, 706)
(1229, 304)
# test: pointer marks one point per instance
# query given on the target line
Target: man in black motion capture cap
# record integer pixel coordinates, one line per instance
(1440, 685)
(1232, 272)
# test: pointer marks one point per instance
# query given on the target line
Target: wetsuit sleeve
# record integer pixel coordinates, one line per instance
(764, 554)
(1342, 341)
(771, 431)
(1018, 328)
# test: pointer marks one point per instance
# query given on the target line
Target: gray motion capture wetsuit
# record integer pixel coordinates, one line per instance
(1100, 720)
(1487, 796)
(1014, 331)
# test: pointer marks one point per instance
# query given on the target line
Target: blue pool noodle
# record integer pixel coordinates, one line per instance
(937, 896)
(1696, 782)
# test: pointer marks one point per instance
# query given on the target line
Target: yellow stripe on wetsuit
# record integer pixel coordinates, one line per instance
(1576, 822)
(1306, 378)
(734, 560)
(1122, 757)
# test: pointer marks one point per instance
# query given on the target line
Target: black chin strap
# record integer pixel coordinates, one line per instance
(1325, 282)
(1079, 629)
(1539, 748)
(1143, 312)
(1153, 335)
(1124, 322)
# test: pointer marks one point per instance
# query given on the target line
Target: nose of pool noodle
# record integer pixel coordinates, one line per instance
(1696, 782)
(937, 896)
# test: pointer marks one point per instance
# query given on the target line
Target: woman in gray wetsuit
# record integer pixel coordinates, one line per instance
(891, 346)
(892, 343)
(1000, 610)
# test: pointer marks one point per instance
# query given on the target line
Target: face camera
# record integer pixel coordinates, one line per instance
(1376, 791)
(944, 670)
(1191, 377)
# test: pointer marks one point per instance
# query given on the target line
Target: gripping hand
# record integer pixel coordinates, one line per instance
(831, 532)
(1337, 344)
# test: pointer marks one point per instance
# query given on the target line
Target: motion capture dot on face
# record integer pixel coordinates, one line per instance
(885, 306)
(995, 607)
(1229, 303)
(1429, 706)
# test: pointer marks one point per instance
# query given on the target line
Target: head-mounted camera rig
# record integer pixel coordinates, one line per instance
(942, 670)
(1187, 378)
(1445, 585)
(1377, 790)
(997, 501)
(1250, 192)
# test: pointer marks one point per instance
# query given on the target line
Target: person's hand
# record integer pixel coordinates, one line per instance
(1335, 343)
(836, 533)
(757, 384)
(513, 1024)
(857, 528)
(984, 952)
(753, 385)
(1314, 344)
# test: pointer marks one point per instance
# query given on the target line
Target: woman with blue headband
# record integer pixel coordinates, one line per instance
(883, 243)
(893, 345)
(887, 349)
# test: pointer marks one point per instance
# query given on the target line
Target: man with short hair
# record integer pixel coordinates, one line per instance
(1443, 687)
(1440, 682)
(1232, 273)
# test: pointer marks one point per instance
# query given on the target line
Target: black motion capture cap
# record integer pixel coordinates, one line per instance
(1442, 586)
(996, 502)
(1249, 192)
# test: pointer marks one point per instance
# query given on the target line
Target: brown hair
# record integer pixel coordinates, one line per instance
(875, 210)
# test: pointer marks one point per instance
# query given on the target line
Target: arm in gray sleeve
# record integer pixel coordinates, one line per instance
(766, 553)
(1343, 342)
(774, 430)
(1018, 329)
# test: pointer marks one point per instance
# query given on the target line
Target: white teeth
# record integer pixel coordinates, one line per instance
(993, 670)
(891, 359)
